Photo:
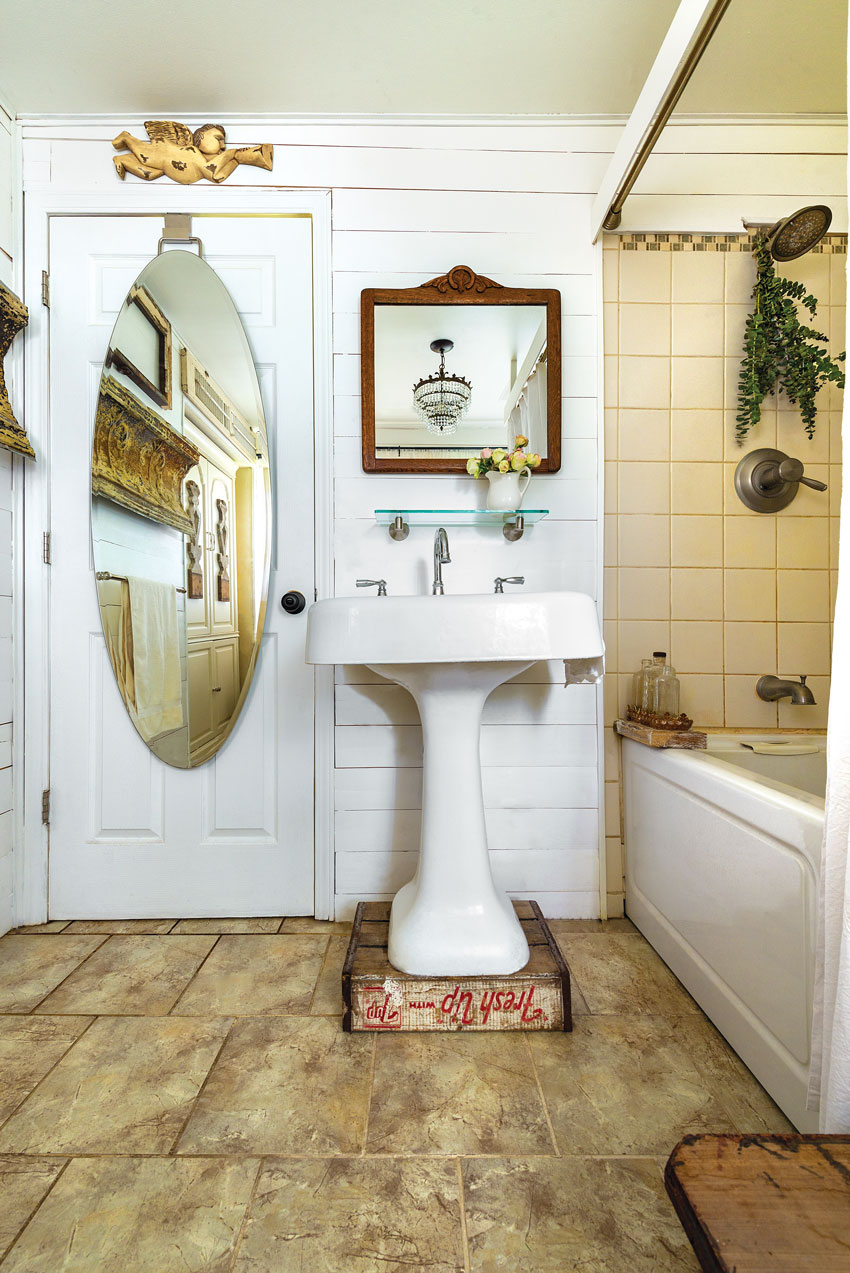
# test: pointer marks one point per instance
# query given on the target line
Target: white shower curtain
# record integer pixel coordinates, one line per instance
(829, 1077)
(529, 416)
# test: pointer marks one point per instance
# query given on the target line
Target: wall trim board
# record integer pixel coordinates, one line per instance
(31, 882)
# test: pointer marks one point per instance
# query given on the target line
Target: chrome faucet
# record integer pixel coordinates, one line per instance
(441, 556)
(771, 688)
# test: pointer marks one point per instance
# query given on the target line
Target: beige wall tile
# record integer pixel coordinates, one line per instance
(791, 439)
(696, 382)
(803, 649)
(697, 329)
(612, 375)
(611, 478)
(610, 276)
(836, 421)
(750, 541)
(638, 639)
(609, 592)
(644, 382)
(809, 503)
(696, 594)
(735, 322)
(696, 488)
(612, 808)
(609, 695)
(624, 692)
(696, 647)
(610, 523)
(837, 278)
(750, 594)
(697, 277)
(744, 709)
(645, 329)
(611, 424)
(807, 717)
(834, 530)
(740, 277)
(645, 277)
(834, 481)
(696, 434)
(802, 542)
(609, 636)
(644, 593)
(697, 541)
(812, 270)
(644, 487)
(702, 699)
(644, 434)
(613, 864)
(644, 540)
(750, 648)
(802, 595)
(612, 755)
(610, 336)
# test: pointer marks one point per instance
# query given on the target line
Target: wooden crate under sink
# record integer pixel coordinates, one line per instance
(376, 996)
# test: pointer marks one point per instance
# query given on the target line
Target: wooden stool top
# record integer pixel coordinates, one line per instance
(764, 1204)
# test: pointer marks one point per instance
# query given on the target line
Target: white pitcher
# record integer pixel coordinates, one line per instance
(507, 489)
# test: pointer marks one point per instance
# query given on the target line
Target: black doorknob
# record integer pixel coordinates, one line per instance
(293, 602)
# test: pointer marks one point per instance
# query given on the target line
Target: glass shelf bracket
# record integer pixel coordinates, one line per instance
(512, 521)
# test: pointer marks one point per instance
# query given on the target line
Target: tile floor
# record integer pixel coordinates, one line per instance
(179, 1096)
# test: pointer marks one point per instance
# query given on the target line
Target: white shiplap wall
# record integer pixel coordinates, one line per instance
(8, 205)
(511, 199)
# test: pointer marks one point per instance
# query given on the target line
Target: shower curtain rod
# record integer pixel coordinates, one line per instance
(653, 113)
(104, 574)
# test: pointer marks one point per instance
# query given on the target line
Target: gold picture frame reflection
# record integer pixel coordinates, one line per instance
(159, 391)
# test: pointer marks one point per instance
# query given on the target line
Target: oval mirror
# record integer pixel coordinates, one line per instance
(181, 508)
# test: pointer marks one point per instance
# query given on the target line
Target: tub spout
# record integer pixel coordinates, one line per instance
(771, 688)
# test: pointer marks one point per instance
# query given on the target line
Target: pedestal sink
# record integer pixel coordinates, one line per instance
(451, 652)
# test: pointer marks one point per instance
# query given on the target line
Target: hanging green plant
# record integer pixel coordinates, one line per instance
(780, 353)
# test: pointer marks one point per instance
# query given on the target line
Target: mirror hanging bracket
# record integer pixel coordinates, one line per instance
(178, 229)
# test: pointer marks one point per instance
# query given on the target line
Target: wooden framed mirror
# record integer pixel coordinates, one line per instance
(455, 365)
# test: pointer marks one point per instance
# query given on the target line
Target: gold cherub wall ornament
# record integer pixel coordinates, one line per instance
(173, 150)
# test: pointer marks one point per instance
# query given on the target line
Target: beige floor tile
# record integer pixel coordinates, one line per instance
(344, 1214)
(30, 967)
(738, 1091)
(126, 1087)
(551, 1216)
(227, 925)
(623, 1085)
(623, 974)
(29, 1047)
(327, 1001)
(23, 1184)
(577, 999)
(52, 926)
(138, 1215)
(306, 924)
(133, 976)
(256, 975)
(138, 926)
(455, 1094)
(286, 1085)
(600, 927)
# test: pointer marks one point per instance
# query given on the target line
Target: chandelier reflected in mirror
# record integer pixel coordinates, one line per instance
(442, 400)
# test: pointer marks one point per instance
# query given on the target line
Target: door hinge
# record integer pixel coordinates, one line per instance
(45, 807)
(45, 548)
(45, 288)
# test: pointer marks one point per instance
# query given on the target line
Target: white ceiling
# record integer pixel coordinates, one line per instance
(462, 57)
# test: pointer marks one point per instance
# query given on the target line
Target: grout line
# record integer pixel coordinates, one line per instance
(463, 1226)
(309, 1011)
(369, 1099)
(200, 1092)
(194, 975)
(33, 1090)
(36, 1208)
(542, 1096)
(243, 1226)
(76, 968)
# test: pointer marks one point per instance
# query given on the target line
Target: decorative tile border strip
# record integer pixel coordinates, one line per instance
(832, 244)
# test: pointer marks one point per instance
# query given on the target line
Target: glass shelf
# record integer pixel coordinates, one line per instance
(512, 522)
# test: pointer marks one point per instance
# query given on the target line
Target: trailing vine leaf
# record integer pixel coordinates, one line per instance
(780, 352)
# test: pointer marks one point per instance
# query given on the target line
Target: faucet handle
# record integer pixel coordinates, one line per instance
(371, 583)
(500, 579)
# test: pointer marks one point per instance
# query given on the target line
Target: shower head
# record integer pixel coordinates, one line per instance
(795, 235)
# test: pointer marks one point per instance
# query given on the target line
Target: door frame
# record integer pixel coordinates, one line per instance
(31, 656)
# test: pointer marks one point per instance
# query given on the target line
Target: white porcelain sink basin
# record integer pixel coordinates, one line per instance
(453, 629)
(451, 652)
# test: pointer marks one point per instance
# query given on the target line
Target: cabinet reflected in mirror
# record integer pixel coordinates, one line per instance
(181, 509)
(457, 365)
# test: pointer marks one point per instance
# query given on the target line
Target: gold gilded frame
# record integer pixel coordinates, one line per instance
(14, 317)
(138, 461)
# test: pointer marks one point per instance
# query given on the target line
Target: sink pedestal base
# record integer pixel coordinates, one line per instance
(452, 918)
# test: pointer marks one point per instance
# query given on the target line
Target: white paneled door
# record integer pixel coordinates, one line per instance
(130, 836)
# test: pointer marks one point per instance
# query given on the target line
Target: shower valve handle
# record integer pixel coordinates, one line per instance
(788, 470)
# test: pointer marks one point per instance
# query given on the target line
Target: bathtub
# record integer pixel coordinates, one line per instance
(722, 852)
